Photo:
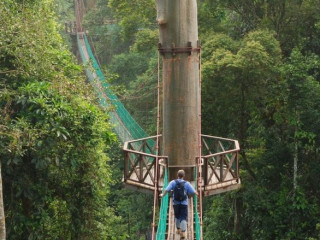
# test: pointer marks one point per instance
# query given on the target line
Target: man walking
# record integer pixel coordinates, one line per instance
(181, 190)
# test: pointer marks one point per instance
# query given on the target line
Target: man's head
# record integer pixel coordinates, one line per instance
(181, 173)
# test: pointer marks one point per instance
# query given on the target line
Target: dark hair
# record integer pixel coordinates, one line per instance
(181, 173)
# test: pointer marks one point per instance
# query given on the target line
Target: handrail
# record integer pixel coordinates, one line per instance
(197, 222)
(220, 164)
(220, 138)
(162, 226)
(145, 138)
(142, 164)
(221, 153)
(145, 154)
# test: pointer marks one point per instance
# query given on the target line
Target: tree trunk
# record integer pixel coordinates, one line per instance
(179, 47)
(79, 12)
(2, 216)
(295, 154)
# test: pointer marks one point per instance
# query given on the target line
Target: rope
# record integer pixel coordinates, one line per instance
(196, 215)
(94, 51)
(162, 226)
(200, 151)
(157, 156)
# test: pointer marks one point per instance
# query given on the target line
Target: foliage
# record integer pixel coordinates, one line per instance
(260, 85)
(295, 22)
(61, 143)
(260, 70)
(269, 103)
(53, 137)
(235, 77)
(104, 32)
(134, 15)
(130, 60)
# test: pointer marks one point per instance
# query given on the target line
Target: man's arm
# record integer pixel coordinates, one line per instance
(168, 189)
(163, 194)
(191, 190)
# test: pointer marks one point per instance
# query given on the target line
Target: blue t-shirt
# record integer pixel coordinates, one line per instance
(187, 187)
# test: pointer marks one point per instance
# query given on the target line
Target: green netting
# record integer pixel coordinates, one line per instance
(162, 226)
(124, 125)
(197, 224)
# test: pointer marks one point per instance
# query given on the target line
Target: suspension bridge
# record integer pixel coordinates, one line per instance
(146, 168)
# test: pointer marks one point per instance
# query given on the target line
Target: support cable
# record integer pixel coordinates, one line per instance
(157, 156)
(200, 149)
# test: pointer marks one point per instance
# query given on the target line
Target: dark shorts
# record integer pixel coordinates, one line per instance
(181, 212)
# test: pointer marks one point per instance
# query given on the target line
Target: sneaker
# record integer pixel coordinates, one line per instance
(182, 235)
(178, 231)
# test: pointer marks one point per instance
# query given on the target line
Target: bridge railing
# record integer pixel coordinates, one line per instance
(125, 126)
(163, 215)
(140, 163)
(220, 158)
(197, 211)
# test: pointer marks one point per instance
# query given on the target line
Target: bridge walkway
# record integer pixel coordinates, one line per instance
(171, 233)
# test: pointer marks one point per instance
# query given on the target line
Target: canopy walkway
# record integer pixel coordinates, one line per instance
(146, 170)
(171, 232)
(140, 166)
(215, 170)
(166, 226)
(124, 125)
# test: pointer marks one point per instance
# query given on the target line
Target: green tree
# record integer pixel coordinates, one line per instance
(134, 15)
(271, 106)
(260, 85)
(54, 137)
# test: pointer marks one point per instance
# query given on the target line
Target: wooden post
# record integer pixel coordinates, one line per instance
(205, 171)
(79, 12)
(126, 166)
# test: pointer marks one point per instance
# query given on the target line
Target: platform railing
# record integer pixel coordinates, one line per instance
(220, 164)
(140, 163)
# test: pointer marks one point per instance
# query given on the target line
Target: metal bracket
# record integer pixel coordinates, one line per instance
(174, 50)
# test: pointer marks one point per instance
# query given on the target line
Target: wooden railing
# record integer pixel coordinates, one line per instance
(219, 161)
(140, 164)
(220, 164)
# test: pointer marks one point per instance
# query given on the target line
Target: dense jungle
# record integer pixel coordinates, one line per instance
(62, 165)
